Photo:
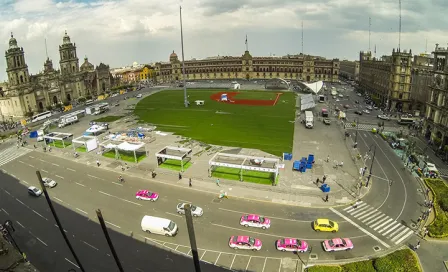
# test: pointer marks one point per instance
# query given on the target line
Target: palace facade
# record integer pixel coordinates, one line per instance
(290, 67)
(25, 94)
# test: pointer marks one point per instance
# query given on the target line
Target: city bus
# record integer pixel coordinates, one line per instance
(41, 116)
(405, 121)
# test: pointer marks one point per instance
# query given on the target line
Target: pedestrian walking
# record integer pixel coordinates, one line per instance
(425, 232)
(189, 183)
(427, 191)
(341, 164)
(180, 176)
(429, 210)
(417, 246)
(98, 163)
(122, 168)
(326, 198)
(324, 179)
(217, 182)
(126, 165)
(424, 216)
(328, 158)
(431, 204)
(419, 219)
(426, 203)
(317, 181)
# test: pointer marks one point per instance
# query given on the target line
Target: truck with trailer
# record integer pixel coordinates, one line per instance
(67, 120)
(309, 119)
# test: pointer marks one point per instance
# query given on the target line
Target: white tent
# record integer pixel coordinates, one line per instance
(58, 136)
(133, 147)
(174, 153)
(315, 87)
(89, 142)
(307, 102)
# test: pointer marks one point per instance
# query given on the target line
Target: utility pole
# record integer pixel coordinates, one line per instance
(61, 229)
(194, 248)
(183, 59)
(371, 164)
(370, 24)
(302, 37)
(356, 135)
(109, 241)
(399, 27)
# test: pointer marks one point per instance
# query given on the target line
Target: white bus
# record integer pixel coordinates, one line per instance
(406, 121)
(41, 116)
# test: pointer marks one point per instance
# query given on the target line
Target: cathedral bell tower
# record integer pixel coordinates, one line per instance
(16, 68)
(69, 61)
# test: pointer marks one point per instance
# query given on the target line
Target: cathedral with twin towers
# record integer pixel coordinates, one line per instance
(25, 94)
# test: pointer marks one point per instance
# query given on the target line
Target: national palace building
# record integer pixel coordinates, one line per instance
(291, 67)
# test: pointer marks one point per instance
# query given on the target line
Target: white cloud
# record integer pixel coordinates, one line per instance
(118, 32)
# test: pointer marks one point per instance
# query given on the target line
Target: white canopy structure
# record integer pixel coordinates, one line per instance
(307, 102)
(95, 130)
(243, 162)
(314, 87)
(64, 138)
(118, 146)
(89, 142)
(174, 153)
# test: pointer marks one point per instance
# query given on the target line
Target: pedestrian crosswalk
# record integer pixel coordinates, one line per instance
(379, 222)
(369, 127)
(11, 153)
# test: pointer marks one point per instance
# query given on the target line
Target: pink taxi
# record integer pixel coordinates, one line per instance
(291, 244)
(257, 221)
(147, 195)
(245, 242)
(337, 244)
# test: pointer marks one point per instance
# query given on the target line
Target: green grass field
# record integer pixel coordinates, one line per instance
(111, 118)
(175, 165)
(248, 175)
(267, 128)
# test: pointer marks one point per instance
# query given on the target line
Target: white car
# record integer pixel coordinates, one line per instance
(139, 96)
(48, 182)
(359, 94)
(341, 95)
(195, 211)
(369, 108)
(366, 111)
(383, 117)
(337, 100)
(34, 191)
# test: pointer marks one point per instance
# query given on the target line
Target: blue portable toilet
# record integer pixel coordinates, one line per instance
(309, 166)
(310, 158)
(325, 188)
(296, 165)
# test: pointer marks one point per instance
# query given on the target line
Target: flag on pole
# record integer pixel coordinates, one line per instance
(246, 39)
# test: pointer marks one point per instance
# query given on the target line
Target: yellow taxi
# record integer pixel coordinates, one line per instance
(325, 225)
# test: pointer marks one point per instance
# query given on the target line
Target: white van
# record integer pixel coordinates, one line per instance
(157, 225)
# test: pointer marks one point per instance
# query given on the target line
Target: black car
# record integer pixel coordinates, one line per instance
(358, 112)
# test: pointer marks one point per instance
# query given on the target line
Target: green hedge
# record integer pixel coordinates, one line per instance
(399, 261)
(439, 227)
(322, 268)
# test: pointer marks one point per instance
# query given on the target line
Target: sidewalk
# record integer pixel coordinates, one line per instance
(306, 197)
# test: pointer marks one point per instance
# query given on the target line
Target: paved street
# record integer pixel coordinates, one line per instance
(422, 145)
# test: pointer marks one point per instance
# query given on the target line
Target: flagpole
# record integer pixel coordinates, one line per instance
(183, 59)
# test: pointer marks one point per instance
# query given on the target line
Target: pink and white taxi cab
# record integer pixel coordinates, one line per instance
(147, 195)
(244, 242)
(291, 244)
(257, 221)
(337, 244)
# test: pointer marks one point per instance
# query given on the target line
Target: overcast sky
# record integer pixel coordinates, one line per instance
(119, 32)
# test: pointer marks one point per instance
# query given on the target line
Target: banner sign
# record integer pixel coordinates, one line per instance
(260, 169)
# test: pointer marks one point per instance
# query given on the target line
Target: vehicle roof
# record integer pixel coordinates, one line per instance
(291, 241)
(32, 187)
(244, 239)
(337, 241)
(155, 221)
(143, 192)
(322, 221)
(253, 217)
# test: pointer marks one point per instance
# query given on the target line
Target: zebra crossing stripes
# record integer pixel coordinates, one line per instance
(369, 127)
(11, 153)
(379, 222)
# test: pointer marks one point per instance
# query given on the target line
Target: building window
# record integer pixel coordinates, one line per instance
(21, 79)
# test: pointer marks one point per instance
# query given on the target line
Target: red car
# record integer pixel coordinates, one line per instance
(291, 244)
(146, 195)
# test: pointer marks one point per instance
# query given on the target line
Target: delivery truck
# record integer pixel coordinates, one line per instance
(67, 120)
(309, 119)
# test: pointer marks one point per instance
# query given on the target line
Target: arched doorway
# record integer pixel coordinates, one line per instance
(428, 132)
(41, 106)
(308, 78)
(103, 86)
(247, 76)
(55, 99)
(69, 97)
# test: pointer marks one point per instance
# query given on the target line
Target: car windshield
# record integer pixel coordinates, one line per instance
(171, 225)
(193, 208)
(262, 219)
(282, 241)
(251, 241)
(149, 193)
(36, 190)
(331, 223)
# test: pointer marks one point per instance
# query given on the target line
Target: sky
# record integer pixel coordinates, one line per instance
(119, 32)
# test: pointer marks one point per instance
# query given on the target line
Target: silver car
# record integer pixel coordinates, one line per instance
(195, 211)
(48, 182)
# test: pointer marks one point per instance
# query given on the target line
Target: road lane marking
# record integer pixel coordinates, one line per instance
(5, 211)
(55, 164)
(279, 218)
(247, 266)
(40, 215)
(71, 262)
(404, 237)
(45, 171)
(23, 203)
(20, 224)
(84, 212)
(174, 214)
(41, 241)
(121, 198)
(69, 169)
(359, 227)
(264, 265)
(31, 157)
(203, 254)
(260, 233)
(14, 176)
(59, 177)
(58, 199)
(90, 245)
(93, 176)
(25, 182)
(234, 256)
(118, 227)
(42, 160)
(181, 200)
(7, 192)
(116, 183)
(22, 162)
(80, 184)
(218, 259)
(58, 227)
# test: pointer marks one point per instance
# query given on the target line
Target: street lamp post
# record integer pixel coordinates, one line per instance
(183, 58)
(356, 135)
(371, 164)
(6, 228)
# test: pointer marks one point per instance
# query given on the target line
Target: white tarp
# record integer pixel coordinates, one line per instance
(110, 146)
(91, 144)
(130, 147)
(306, 102)
(315, 87)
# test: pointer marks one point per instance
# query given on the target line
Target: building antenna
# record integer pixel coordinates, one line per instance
(426, 47)
(302, 37)
(370, 24)
(399, 27)
(46, 49)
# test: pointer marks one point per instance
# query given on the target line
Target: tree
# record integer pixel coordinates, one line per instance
(49, 107)
(29, 114)
(81, 99)
(89, 97)
(66, 103)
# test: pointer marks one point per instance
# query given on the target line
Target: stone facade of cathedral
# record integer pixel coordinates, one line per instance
(24, 93)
